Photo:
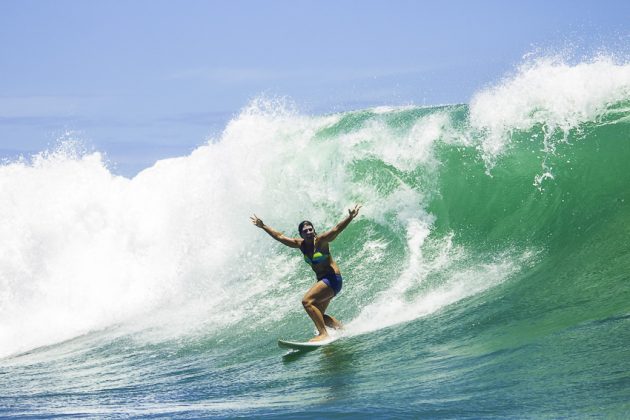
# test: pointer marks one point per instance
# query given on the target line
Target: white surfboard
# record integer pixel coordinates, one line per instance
(304, 345)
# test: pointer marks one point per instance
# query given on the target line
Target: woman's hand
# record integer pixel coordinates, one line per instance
(255, 220)
(355, 211)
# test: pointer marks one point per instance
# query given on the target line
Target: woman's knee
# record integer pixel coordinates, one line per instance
(308, 301)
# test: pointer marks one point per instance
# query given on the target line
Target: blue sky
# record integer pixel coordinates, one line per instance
(143, 80)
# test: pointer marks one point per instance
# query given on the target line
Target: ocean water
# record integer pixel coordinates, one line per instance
(486, 276)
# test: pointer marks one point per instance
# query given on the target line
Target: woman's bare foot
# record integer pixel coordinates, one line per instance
(332, 322)
(319, 337)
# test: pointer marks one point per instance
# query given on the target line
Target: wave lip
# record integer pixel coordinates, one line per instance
(550, 93)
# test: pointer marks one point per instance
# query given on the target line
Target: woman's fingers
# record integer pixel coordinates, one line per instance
(256, 220)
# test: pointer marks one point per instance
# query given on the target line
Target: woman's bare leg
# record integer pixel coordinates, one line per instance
(329, 320)
(332, 322)
(312, 301)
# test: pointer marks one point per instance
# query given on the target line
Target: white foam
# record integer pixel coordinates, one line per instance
(460, 276)
(84, 249)
(550, 92)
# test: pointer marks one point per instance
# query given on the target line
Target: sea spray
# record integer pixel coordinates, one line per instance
(551, 95)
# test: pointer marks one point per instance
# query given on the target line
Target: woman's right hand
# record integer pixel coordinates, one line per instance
(257, 221)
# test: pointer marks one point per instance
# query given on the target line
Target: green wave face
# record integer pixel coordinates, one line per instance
(553, 204)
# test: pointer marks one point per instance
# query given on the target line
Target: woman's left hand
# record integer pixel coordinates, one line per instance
(355, 211)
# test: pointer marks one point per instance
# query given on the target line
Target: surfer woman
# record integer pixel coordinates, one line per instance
(317, 254)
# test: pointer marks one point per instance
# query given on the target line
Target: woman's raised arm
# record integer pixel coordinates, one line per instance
(330, 235)
(278, 236)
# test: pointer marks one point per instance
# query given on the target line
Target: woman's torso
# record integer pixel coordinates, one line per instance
(319, 258)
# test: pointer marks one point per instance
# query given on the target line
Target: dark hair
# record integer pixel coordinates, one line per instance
(301, 225)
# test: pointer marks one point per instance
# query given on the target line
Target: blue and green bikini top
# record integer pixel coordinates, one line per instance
(317, 258)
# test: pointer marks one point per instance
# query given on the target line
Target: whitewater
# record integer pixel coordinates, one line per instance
(487, 275)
